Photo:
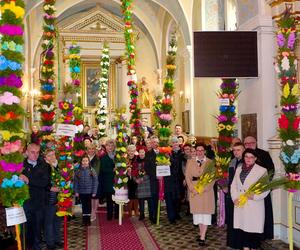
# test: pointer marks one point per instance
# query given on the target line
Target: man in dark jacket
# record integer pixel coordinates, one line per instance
(264, 159)
(150, 169)
(174, 190)
(233, 235)
(52, 223)
(36, 175)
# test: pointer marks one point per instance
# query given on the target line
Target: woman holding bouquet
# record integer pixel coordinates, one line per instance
(202, 205)
(250, 217)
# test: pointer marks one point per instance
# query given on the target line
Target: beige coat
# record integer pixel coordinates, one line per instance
(199, 203)
(251, 217)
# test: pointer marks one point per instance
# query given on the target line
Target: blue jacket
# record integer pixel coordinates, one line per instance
(85, 181)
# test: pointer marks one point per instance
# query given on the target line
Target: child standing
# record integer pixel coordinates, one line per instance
(85, 187)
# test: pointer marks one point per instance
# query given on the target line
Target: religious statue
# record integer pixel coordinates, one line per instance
(145, 95)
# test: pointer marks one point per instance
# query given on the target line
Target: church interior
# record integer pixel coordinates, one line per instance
(89, 26)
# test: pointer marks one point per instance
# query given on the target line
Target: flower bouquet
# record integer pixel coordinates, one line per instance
(208, 176)
(262, 185)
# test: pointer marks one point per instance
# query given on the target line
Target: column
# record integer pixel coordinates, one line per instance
(260, 95)
(189, 87)
(280, 197)
(122, 88)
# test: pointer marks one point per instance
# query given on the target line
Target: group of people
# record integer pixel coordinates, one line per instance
(94, 183)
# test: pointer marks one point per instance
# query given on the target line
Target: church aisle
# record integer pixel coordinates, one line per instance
(168, 237)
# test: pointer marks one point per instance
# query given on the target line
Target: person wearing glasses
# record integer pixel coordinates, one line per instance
(202, 206)
(264, 159)
(248, 219)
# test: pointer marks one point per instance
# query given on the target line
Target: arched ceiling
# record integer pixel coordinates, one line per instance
(150, 6)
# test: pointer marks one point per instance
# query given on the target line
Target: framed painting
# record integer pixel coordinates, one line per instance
(249, 125)
(90, 85)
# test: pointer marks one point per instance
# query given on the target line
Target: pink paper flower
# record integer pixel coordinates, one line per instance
(8, 98)
(11, 166)
(11, 147)
(11, 30)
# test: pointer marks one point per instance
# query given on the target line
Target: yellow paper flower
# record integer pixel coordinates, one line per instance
(295, 89)
(65, 105)
(6, 135)
(286, 90)
(229, 127)
(199, 188)
(77, 110)
(221, 127)
(17, 10)
(242, 200)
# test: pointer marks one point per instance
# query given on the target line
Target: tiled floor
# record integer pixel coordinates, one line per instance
(169, 237)
(172, 237)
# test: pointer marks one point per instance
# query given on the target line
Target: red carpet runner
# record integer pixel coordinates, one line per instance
(132, 234)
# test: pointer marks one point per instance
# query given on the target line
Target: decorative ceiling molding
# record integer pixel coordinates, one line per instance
(100, 18)
(66, 38)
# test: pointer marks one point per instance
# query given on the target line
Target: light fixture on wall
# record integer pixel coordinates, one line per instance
(181, 95)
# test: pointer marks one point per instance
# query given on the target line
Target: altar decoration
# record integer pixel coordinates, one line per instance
(13, 190)
(288, 122)
(135, 123)
(47, 79)
(75, 71)
(121, 178)
(163, 108)
(103, 91)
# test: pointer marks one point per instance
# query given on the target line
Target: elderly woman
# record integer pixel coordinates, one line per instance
(202, 206)
(250, 218)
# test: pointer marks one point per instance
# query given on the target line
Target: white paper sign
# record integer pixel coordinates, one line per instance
(224, 102)
(15, 216)
(163, 171)
(66, 130)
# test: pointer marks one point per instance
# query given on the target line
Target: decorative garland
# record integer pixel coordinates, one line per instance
(286, 67)
(13, 190)
(164, 106)
(65, 150)
(226, 124)
(135, 123)
(70, 114)
(47, 108)
(163, 109)
(121, 177)
(103, 91)
(74, 64)
(65, 147)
